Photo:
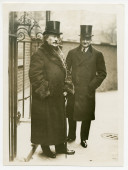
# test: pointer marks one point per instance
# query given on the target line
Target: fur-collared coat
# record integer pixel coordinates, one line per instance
(47, 76)
(88, 72)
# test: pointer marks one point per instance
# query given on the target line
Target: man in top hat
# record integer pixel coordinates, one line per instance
(47, 75)
(87, 67)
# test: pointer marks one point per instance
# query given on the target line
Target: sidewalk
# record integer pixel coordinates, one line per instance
(101, 151)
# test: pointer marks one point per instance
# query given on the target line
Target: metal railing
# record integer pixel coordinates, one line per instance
(24, 88)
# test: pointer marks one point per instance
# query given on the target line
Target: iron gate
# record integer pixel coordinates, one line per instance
(21, 47)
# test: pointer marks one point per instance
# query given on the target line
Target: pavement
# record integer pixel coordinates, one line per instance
(104, 145)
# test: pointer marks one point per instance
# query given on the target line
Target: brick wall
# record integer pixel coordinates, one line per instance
(26, 66)
(28, 45)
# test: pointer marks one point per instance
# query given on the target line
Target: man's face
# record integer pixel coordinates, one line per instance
(53, 40)
(85, 42)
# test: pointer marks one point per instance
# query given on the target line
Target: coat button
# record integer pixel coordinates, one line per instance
(77, 81)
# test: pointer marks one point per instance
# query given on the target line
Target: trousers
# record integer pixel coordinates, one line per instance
(84, 132)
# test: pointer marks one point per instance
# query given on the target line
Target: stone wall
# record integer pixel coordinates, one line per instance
(110, 56)
(109, 52)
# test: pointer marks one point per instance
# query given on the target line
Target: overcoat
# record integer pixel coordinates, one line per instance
(88, 71)
(47, 76)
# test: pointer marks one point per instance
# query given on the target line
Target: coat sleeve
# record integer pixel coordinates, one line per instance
(37, 76)
(69, 87)
(100, 73)
(69, 61)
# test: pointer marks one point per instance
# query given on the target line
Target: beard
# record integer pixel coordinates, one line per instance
(55, 47)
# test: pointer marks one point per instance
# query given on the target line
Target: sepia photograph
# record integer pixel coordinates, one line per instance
(63, 84)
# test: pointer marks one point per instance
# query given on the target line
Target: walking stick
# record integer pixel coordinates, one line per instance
(61, 56)
(65, 129)
(34, 147)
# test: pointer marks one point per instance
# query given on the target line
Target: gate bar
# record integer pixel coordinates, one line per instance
(23, 75)
(12, 86)
(15, 94)
(30, 84)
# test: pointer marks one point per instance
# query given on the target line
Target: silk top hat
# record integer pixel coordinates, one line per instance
(52, 27)
(86, 31)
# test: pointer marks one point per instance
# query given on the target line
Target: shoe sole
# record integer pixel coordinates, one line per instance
(84, 146)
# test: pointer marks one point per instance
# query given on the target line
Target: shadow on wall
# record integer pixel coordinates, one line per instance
(110, 56)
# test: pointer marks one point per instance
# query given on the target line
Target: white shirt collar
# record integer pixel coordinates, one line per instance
(84, 49)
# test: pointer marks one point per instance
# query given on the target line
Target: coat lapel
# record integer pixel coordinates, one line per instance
(53, 56)
(83, 57)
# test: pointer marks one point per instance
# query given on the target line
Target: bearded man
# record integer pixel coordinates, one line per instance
(47, 75)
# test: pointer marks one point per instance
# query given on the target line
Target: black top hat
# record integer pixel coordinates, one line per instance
(86, 31)
(52, 27)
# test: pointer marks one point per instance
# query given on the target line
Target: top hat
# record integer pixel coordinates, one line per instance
(86, 31)
(52, 27)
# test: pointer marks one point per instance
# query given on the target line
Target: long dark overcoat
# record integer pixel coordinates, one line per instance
(47, 76)
(88, 71)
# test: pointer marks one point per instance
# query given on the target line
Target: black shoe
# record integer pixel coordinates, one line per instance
(84, 143)
(48, 152)
(69, 139)
(63, 151)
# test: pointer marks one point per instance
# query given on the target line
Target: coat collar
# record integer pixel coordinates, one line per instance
(82, 57)
(52, 55)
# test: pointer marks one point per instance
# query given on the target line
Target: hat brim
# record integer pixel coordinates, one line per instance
(50, 32)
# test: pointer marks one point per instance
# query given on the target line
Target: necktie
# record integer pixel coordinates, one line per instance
(84, 50)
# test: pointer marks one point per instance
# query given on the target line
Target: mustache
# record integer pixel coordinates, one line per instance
(55, 42)
(85, 43)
